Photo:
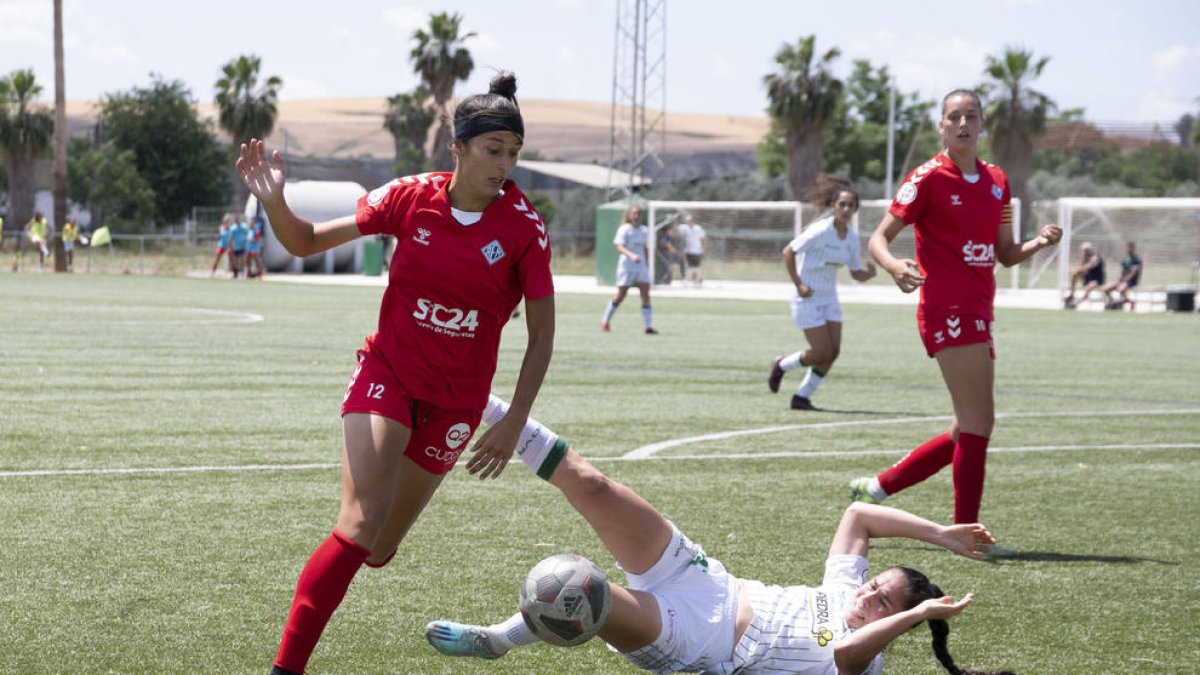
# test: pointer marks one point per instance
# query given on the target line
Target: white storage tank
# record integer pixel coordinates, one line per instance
(316, 200)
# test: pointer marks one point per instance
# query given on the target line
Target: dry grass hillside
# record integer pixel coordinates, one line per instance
(575, 131)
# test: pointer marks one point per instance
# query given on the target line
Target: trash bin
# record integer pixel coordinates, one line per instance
(372, 258)
(1181, 298)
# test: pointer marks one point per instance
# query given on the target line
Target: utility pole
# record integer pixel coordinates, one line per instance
(639, 98)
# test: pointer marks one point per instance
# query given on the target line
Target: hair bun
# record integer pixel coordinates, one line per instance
(504, 84)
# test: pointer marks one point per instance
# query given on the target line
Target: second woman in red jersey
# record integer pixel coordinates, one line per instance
(469, 248)
(961, 211)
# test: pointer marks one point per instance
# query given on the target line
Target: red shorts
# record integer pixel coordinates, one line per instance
(954, 328)
(439, 435)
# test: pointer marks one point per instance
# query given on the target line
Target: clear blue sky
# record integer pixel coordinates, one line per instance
(1121, 60)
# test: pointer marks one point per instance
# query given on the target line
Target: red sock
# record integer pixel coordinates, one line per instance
(925, 460)
(321, 587)
(970, 460)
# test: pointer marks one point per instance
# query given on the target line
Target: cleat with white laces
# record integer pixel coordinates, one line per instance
(458, 639)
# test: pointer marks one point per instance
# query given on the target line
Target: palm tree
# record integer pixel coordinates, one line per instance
(60, 140)
(25, 134)
(246, 109)
(804, 99)
(408, 118)
(441, 60)
(1015, 115)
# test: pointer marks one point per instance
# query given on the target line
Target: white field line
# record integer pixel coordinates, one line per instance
(647, 451)
(638, 454)
(209, 316)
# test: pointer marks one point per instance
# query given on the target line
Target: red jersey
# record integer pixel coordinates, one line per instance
(451, 287)
(956, 224)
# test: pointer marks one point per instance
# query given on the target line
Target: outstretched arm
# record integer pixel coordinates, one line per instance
(854, 654)
(301, 237)
(862, 522)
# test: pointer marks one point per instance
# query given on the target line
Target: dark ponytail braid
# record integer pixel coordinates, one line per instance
(920, 589)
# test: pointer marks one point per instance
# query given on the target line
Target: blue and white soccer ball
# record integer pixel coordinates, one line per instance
(565, 599)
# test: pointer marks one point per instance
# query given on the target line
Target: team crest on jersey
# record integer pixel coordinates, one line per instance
(493, 252)
(997, 192)
(907, 193)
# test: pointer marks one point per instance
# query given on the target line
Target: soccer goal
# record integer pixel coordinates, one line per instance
(1165, 231)
(745, 238)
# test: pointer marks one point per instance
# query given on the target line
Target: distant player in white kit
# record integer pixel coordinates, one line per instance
(682, 611)
(812, 261)
(632, 268)
(695, 243)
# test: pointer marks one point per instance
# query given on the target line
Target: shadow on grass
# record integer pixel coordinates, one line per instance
(1051, 556)
(1039, 556)
(888, 413)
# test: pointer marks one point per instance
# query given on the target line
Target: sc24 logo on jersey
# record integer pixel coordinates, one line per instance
(446, 319)
(975, 254)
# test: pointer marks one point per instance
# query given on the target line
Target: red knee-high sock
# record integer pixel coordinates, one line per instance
(321, 587)
(925, 460)
(970, 460)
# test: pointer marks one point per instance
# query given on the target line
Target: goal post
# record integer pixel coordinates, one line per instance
(1166, 232)
(745, 238)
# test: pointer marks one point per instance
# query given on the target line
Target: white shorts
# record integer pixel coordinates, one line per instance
(809, 313)
(697, 600)
(632, 274)
(68, 246)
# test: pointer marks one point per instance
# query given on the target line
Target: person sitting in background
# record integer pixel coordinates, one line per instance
(1131, 272)
(1089, 272)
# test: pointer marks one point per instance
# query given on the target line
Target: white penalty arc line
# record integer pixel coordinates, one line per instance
(899, 451)
(595, 460)
(648, 451)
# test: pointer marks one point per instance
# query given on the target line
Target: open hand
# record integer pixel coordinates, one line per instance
(495, 447)
(264, 179)
(971, 540)
(945, 607)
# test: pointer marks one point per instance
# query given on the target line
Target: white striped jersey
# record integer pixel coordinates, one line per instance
(795, 627)
(819, 252)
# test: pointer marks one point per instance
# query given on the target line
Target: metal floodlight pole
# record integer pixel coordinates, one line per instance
(639, 77)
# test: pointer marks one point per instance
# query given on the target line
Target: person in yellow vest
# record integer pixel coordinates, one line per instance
(70, 235)
(38, 228)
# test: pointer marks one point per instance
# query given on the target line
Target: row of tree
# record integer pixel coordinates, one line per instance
(151, 157)
(821, 123)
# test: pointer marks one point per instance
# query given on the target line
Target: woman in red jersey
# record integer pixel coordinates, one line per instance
(961, 211)
(469, 247)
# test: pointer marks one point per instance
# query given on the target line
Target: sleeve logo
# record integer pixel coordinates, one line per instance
(377, 195)
(907, 193)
